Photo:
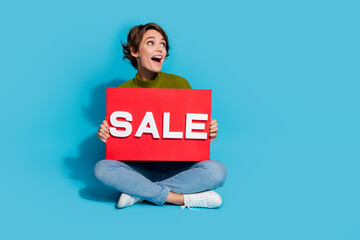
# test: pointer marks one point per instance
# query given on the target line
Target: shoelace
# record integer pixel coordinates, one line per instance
(194, 202)
(187, 206)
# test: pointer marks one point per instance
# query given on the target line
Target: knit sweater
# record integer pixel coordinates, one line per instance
(161, 80)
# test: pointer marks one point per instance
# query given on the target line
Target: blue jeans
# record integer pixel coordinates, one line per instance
(153, 181)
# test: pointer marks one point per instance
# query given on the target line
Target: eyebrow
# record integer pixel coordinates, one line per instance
(154, 37)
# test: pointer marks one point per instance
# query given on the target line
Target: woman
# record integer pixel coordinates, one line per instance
(181, 183)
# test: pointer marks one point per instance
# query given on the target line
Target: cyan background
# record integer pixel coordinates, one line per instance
(285, 80)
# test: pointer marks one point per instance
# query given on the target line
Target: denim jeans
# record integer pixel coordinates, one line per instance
(153, 181)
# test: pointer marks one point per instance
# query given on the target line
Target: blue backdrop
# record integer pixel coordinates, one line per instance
(285, 80)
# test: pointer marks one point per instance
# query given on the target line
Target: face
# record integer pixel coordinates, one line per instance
(152, 52)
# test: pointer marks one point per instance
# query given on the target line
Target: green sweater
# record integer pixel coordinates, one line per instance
(161, 80)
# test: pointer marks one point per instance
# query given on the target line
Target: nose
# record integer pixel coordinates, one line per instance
(159, 48)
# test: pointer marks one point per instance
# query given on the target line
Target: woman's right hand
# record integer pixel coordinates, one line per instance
(103, 133)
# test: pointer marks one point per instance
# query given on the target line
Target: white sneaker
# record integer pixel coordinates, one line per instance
(127, 200)
(207, 199)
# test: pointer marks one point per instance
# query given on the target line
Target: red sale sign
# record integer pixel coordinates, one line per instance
(158, 124)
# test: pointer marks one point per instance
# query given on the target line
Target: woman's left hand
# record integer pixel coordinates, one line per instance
(213, 128)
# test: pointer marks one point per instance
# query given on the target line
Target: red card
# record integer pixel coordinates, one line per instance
(150, 124)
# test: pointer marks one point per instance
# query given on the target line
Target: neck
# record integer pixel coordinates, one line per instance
(145, 74)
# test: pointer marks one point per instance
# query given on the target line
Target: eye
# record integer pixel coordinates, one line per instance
(163, 44)
(150, 43)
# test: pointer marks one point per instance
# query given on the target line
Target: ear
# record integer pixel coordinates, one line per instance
(134, 54)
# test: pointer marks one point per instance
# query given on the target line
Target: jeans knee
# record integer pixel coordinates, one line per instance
(100, 169)
(217, 173)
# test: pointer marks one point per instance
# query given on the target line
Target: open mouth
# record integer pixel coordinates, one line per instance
(157, 59)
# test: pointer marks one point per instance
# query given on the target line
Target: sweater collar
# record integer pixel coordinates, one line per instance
(147, 83)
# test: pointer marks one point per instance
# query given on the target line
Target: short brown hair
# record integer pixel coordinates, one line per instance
(135, 37)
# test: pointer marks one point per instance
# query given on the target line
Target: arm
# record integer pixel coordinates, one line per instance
(213, 128)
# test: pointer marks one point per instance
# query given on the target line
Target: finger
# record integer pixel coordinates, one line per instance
(213, 130)
(105, 123)
(104, 133)
(212, 139)
(100, 136)
(103, 127)
(213, 125)
(213, 135)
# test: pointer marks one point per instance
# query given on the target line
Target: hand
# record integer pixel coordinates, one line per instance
(103, 133)
(213, 128)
